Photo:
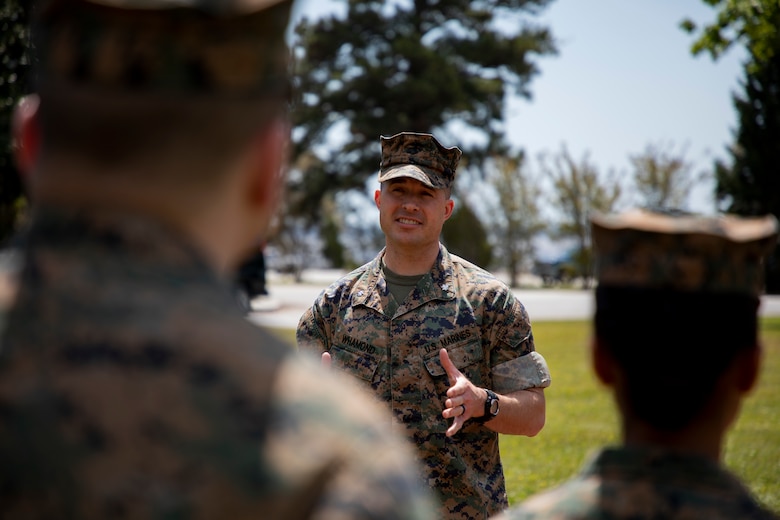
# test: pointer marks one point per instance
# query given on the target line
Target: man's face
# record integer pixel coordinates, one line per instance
(411, 214)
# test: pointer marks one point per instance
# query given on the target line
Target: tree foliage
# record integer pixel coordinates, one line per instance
(578, 190)
(330, 230)
(388, 67)
(750, 184)
(662, 177)
(753, 23)
(15, 58)
(464, 235)
(517, 217)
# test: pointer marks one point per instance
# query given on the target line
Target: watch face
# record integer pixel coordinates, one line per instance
(494, 407)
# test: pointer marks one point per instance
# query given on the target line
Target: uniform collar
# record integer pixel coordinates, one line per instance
(437, 284)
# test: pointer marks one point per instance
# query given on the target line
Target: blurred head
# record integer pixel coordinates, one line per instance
(128, 82)
(676, 307)
(166, 101)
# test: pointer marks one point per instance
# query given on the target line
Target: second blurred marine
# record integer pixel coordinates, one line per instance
(676, 342)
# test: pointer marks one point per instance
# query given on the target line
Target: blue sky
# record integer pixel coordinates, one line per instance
(623, 79)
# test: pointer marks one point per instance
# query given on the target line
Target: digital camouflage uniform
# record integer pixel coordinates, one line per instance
(681, 255)
(644, 484)
(132, 386)
(394, 350)
(393, 347)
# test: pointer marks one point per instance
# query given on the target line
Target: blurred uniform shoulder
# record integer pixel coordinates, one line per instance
(324, 424)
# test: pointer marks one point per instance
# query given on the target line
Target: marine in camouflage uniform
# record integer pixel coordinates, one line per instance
(393, 347)
(676, 340)
(131, 385)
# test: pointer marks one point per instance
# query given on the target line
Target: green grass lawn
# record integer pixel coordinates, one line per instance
(581, 417)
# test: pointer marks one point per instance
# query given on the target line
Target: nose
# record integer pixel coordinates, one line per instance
(409, 203)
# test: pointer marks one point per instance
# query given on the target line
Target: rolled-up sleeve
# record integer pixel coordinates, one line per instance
(527, 371)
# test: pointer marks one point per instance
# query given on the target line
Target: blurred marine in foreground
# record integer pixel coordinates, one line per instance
(131, 385)
(676, 340)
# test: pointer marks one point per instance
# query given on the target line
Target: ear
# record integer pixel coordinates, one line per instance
(26, 136)
(267, 164)
(377, 193)
(602, 362)
(449, 206)
(749, 365)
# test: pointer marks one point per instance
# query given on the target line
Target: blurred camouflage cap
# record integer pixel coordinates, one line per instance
(683, 252)
(228, 47)
(419, 156)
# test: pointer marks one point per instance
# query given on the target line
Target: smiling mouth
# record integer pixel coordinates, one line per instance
(408, 221)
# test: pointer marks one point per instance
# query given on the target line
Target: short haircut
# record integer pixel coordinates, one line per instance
(145, 86)
(201, 133)
(673, 346)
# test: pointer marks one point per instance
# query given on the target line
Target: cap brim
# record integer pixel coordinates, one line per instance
(406, 170)
(729, 227)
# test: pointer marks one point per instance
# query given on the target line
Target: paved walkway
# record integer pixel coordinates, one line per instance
(288, 301)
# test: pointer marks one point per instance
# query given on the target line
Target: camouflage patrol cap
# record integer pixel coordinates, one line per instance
(419, 156)
(683, 252)
(234, 48)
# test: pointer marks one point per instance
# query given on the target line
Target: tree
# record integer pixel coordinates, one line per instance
(295, 247)
(330, 230)
(516, 216)
(579, 189)
(388, 67)
(15, 58)
(662, 178)
(750, 184)
(464, 235)
(750, 22)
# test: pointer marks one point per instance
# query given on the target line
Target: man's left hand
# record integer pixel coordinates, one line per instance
(464, 400)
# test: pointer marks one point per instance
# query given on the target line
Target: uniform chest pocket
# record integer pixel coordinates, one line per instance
(463, 355)
(360, 364)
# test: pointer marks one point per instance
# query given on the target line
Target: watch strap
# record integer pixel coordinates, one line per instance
(491, 397)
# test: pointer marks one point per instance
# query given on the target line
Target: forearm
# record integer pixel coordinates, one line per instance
(520, 413)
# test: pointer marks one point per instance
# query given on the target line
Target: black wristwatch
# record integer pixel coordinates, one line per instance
(491, 408)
